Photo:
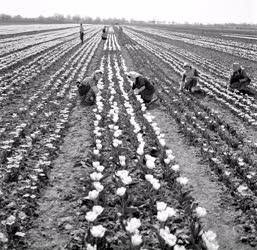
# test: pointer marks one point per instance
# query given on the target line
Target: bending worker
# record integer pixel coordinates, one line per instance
(142, 86)
(189, 79)
(239, 80)
(88, 88)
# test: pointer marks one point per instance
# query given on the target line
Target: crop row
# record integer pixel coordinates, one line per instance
(28, 150)
(13, 82)
(227, 152)
(134, 194)
(242, 106)
(244, 50)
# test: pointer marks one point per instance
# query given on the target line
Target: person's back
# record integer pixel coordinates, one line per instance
(239, 80)
(239, 75)
(88, 88)
(149, 89)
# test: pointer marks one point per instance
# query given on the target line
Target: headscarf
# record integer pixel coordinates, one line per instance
(186, 65)
(236, 66)
(133, 74)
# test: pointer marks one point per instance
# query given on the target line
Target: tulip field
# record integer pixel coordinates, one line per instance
(134, 171)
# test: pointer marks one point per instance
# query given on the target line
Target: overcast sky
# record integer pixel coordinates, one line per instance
(204, 11)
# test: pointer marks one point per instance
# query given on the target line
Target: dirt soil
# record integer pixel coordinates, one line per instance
(205, 189)
(58, 207)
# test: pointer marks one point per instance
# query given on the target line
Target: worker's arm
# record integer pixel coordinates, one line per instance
(138, 91)
(182, 83)
(246, 77)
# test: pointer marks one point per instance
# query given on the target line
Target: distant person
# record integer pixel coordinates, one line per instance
(239, 80)
(120, 34)
(88, 88)
(142, 86)
(104, 33)
(190, 79)
(81, 33)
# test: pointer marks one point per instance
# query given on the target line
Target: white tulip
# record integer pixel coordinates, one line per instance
(167, 161)
(121, 191)
(90, 247)
(3, 238)
(140, 150)
(171, 211)
(209, 239)
(156, 185)
(161, 205)
(169, 238)
(162, 216)
(10, 220)
(127, 180)
(177, 247)
(122, 173)
(136, 239)
(150, 164)
(91, 216)
(96, 151)
(98, 209)
(96, 176)
(182, 180)
(175, 167)
(92, 195)
(98, 186)
(132, 225)
(149, 177)
(96, 164)
(100, 168)
(98, 231)
(200, 211)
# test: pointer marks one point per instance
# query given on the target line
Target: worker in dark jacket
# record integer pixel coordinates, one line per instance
(239, 79)
(189, 79)
(105, 33)
(88, 88)
(142, 86)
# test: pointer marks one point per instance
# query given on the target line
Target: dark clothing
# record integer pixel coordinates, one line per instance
(190, 78)
(86, 92)
(191, 83)
(81, 36)
(104, 36)
(239, 80)
(147, 93)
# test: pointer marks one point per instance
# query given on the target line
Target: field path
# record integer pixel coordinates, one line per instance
(205, 188)
(59, 205)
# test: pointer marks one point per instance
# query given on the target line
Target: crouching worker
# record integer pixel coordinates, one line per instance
(142, 86)
(239, 80)
(190, 79)
(88, 88)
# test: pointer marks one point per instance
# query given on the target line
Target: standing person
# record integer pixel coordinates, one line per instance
(104, 33)
(240, 80)
(81, 33)
(189, 79)
(88, 88)
(142, 86)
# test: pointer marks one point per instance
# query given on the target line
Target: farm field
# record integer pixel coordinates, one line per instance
(180, 174)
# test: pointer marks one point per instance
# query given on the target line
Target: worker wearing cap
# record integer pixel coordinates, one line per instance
(239, 79)
(88, 88)
(189, 78)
